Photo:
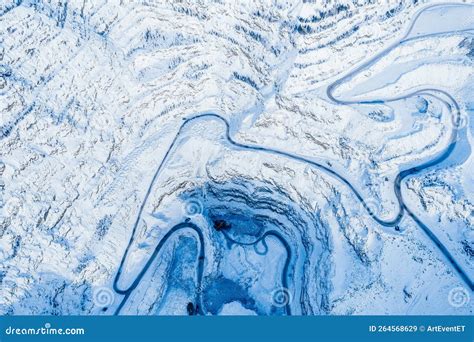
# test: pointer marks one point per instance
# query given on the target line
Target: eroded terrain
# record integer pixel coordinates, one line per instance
(236, 157)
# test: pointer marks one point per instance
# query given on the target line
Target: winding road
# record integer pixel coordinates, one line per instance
(171, 232)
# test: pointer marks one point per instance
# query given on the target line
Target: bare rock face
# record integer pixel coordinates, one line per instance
(207, 158)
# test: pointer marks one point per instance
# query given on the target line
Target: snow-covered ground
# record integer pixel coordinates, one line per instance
(236, 157)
